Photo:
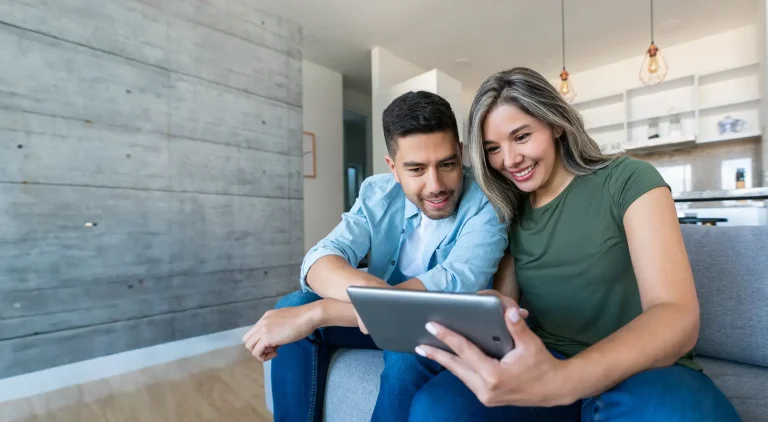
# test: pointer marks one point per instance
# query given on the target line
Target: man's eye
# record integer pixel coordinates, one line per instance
(448, 165)
(414, 170)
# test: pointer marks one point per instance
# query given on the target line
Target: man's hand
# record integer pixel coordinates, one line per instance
(278, 327)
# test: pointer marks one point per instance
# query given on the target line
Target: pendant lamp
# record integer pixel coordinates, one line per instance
(654, 67)
(565, 88)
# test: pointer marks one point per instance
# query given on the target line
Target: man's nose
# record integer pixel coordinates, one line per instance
(434, 181)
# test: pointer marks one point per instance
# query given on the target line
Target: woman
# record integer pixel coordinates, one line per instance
(597, 258)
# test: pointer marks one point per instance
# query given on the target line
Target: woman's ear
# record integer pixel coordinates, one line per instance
(557, 131)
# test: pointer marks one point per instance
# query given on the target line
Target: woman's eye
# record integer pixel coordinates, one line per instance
(491, 150)
(522, 137)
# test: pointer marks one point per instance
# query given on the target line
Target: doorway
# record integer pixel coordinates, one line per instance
(355, 155)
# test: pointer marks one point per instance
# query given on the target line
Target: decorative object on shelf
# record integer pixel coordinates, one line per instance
(654, 67)
(730, 124)
(740, 176)
(675, 128)
(653, 129)
(566, 88)
(309, 155)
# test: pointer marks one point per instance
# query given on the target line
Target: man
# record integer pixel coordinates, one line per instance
(427, 226)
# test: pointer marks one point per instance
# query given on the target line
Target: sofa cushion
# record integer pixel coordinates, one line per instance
(746, 386)
(730, 266)
(353, 385)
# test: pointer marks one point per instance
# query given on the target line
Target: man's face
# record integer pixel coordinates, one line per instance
(428, 167)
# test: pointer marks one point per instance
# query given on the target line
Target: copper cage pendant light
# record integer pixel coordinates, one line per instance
(654, 68)
(565, 88)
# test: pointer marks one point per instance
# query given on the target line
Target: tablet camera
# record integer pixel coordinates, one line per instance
(496, 338)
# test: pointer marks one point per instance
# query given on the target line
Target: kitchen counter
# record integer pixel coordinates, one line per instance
(721, 195)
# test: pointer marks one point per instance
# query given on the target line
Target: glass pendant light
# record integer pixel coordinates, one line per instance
(565, 88)
(654, 67)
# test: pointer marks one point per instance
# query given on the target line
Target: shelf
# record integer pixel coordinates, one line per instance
(724, 74)
(730, 137)
(730, 104)
(660, 115)
(721, 195)
(700, 102)
(660, 144)
(669, 84)
(599, 102)
(606, 126)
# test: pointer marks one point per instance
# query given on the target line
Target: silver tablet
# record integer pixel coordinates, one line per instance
(396, 318)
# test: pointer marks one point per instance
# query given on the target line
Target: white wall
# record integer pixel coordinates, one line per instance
(357, 102)
(720, 51)
(323, 115)
(392, 77)
(386, 70)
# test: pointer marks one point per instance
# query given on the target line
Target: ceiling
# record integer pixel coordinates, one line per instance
(472, 39)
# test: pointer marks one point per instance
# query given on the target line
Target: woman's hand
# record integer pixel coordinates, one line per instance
(527, 376)
(278, 327)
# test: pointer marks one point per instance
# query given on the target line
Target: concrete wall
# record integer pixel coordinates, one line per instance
(175, 131)
(323, 116)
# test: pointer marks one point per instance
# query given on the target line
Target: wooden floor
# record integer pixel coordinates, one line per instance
(225, 385)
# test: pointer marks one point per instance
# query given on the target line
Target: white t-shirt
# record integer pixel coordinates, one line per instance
(411, 252)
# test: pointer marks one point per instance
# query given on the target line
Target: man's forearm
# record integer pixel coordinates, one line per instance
(330, 276)
(638, 346)
(334, 313)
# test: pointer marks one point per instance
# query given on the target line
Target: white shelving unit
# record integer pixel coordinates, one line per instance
(676, 113)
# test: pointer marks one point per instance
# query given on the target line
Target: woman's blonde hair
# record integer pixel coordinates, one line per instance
(535, 96)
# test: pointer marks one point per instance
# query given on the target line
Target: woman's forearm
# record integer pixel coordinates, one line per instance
(656, 338)
(504, 280)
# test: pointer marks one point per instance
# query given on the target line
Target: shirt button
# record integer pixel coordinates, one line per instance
(392, 263)
(402, 231)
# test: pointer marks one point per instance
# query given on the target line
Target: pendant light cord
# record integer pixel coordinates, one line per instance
(562, 27)
(651, 21)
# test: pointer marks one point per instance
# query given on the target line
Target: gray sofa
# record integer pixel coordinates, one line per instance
(730, 265)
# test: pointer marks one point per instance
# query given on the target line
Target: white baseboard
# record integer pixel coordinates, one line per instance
(34, 383)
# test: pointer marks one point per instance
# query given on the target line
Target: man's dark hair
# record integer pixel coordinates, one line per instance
(416, 113)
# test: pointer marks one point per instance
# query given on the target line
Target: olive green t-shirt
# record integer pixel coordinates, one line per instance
(572, 258)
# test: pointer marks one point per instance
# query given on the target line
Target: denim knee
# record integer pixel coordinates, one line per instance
(671, 393)
(297, 299)
(406, 363)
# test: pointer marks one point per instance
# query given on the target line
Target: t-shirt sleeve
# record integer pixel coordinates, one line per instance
(631, 179)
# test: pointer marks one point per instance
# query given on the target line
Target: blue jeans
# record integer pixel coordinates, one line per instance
(674, 393)
(417, 389)
(300, 370)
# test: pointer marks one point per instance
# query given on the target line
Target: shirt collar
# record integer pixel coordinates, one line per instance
(410, 209)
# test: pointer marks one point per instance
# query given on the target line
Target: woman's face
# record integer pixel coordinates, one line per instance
(519, 146)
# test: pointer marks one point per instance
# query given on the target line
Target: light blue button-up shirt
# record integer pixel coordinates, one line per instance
(461, 256)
